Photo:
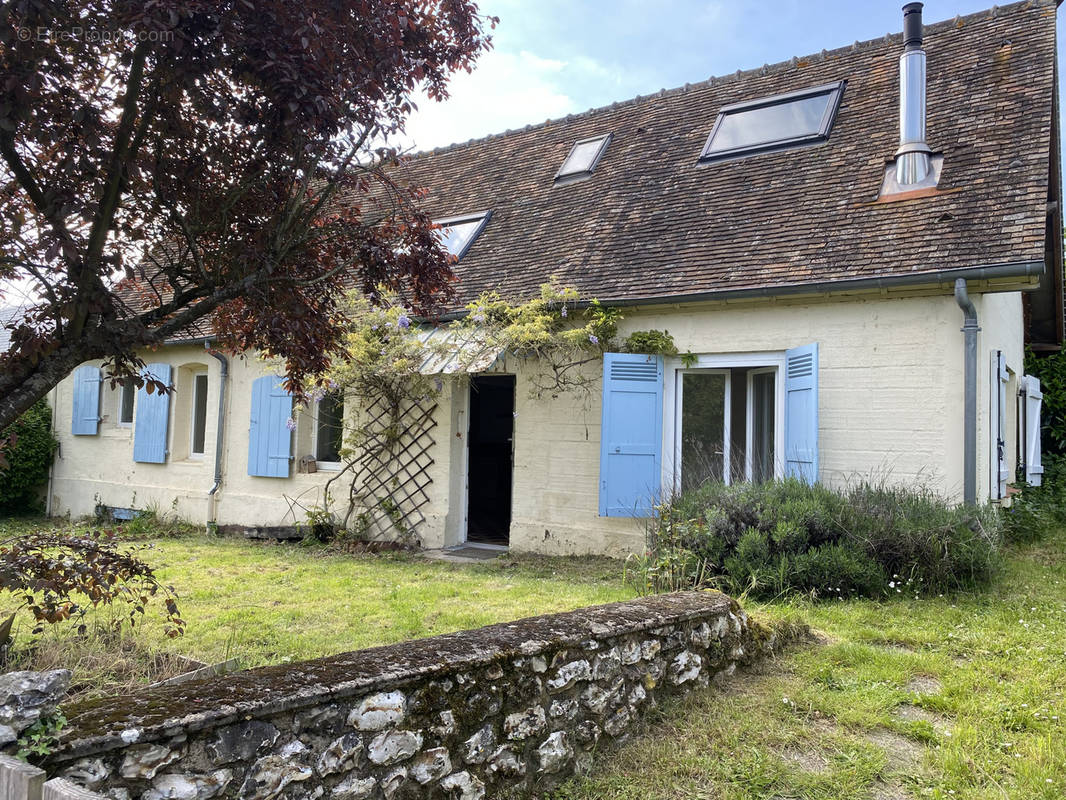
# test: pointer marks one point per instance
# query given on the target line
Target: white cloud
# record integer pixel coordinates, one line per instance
(506, 90)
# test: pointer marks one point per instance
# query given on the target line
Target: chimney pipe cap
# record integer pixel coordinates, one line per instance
(912, 26)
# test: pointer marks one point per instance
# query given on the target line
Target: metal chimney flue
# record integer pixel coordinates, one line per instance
(912, 157)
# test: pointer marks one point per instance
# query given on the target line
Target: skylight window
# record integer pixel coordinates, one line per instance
(774, 123)
(458, 233)
(583, 158)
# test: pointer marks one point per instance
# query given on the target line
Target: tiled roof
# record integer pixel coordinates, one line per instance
(651, 222)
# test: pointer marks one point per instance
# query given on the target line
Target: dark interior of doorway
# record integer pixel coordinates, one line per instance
(491, 468)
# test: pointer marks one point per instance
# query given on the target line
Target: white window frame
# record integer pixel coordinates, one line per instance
(671, 473)
(192, 414)
(133, 404)
(324, 466)
(749, 434)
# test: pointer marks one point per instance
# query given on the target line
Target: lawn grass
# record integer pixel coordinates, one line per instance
(268, 603)
(949, 698)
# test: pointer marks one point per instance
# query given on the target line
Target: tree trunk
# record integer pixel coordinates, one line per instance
(20, 391)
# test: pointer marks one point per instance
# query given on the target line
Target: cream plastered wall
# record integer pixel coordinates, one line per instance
(890, 403)
(890, 406)
(100, 469)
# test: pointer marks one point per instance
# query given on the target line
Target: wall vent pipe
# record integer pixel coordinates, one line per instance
(912, 158)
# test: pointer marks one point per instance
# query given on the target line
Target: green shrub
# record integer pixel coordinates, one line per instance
(1036, 510)
(785, 536)
(27, 447)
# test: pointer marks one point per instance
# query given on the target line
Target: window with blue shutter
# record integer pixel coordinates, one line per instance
(801, 413)
(631, 436)
(269, 437)
(153, 417)
(85, 419)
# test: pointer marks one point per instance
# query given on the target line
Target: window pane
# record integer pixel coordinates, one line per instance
(702, 428)
(199, 414)
(330, 428)
(125, 413)
(455, 237)
(762, 432)
(581, 157)
(781, 121)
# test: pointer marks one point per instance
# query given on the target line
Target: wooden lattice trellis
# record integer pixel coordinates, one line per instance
(391, 469)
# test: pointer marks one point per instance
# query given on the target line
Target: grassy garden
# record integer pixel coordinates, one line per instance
(948, 683)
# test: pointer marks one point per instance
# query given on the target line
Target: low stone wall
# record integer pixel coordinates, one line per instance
(465, 715)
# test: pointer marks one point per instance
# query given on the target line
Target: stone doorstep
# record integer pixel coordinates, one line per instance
(266, 691)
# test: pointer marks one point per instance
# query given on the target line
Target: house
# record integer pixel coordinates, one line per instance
(857, 246)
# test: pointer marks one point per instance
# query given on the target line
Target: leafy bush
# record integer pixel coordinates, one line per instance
(26, 450)
(61, 576)
(784, 536)
(1035, 510)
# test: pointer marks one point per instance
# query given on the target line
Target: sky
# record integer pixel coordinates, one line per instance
(557, 57)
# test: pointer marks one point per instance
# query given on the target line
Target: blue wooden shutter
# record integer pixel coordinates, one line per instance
(801, 413)
(153, 417)
(1031, 400)
(631, 437)
(86, 416)
(269, 437)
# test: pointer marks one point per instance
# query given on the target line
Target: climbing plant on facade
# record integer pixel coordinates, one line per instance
(390, 370)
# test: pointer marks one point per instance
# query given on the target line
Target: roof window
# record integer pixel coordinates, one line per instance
(774, 123)
(458, 233)
(583, 158)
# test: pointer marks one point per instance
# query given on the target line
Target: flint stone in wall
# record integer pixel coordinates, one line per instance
(463, 786)
(596, 699)
(554, 752)
(318, 720)
(354, 788)
(685, 667)
(393, 782)
(269, 776)
(342, 755)
(118, 794)
(88, 772)
(477, 748)
(189, 787)
(523, 724)
(505, 762)
(617, 721)
(144, 761)
(431, 764)
(637, 696)
(650, 648)
(483, 704)
(608, 664)
(564, 709)
(629, 653)
(569, 674)
(27, 696)
(588, 732)
(379, 711)
(241, 742)
(394, 746)
(701, 635)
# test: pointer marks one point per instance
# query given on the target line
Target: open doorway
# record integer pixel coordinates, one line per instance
(490, 459)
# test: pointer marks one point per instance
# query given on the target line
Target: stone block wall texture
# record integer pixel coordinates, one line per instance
(467, 715)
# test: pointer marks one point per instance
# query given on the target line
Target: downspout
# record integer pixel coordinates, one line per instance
(969, 331)
(212, 524)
